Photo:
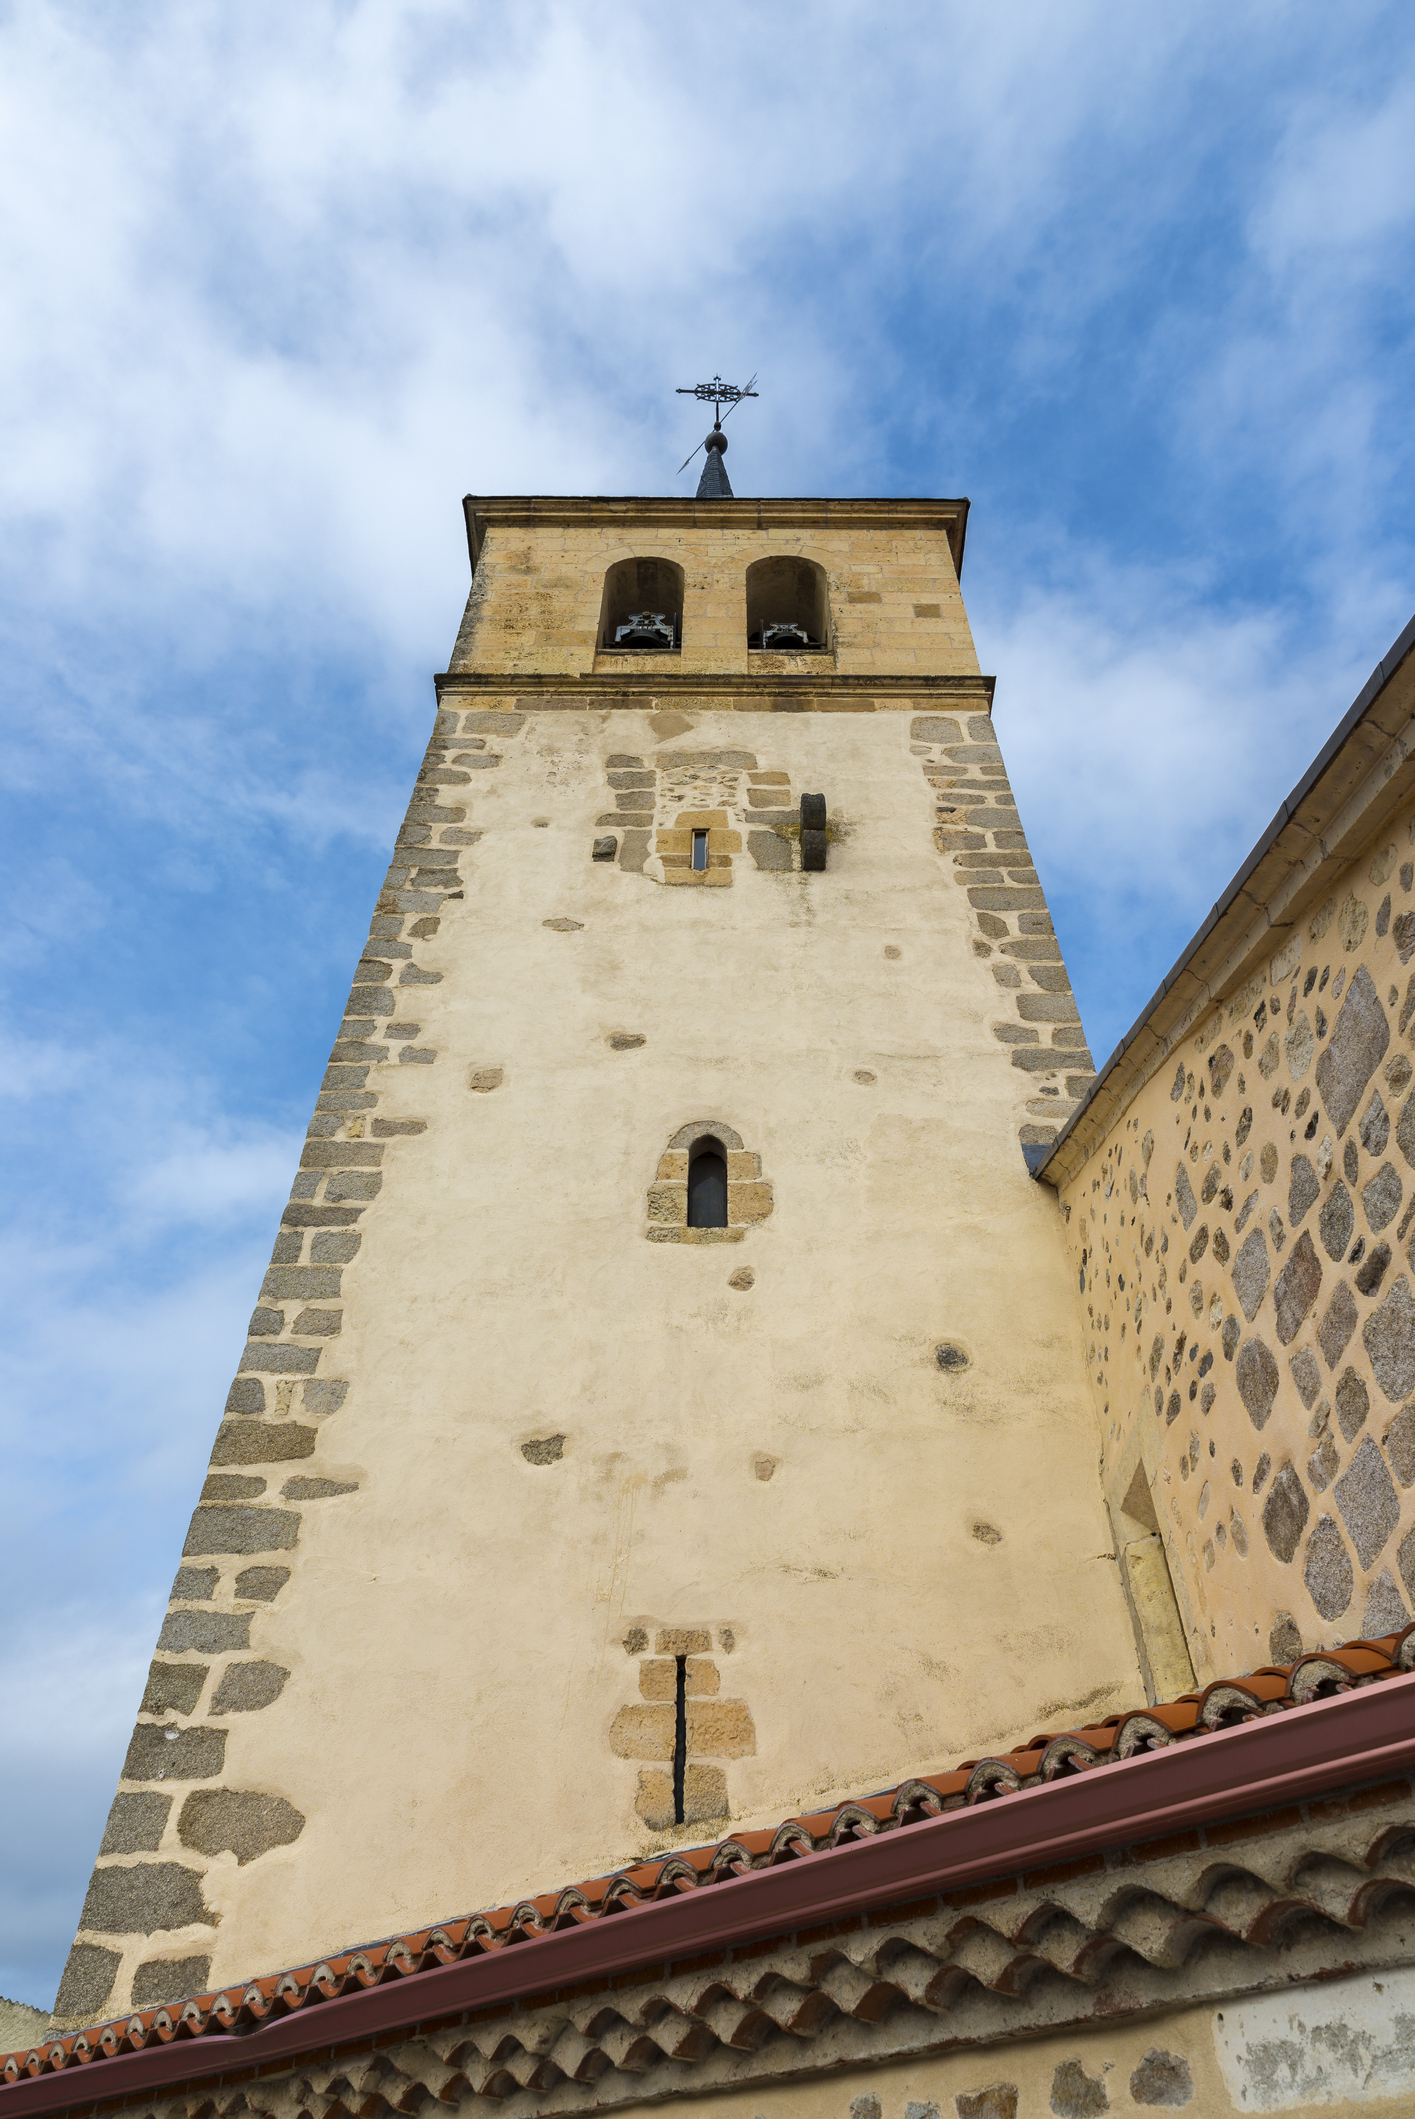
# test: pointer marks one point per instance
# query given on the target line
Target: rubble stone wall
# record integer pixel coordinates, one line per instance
(1241, 1244)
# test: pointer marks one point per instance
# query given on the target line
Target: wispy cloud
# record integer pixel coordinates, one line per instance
(280, 284)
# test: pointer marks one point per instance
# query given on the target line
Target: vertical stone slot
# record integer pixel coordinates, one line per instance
(1170, 1670)
(680, 1736)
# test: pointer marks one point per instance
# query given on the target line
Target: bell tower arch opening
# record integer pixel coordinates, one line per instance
(788, 606)
(642, 608)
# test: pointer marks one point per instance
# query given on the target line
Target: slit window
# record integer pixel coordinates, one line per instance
(700, 851)
(680, 1736)
(707, 1186)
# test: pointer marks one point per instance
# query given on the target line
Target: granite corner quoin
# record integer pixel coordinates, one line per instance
(146, 1927)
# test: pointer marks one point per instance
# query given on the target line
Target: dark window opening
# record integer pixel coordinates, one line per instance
(707, 1186)
(642, 611)
(700, 851)
(680, 1737)
(787, 606)
(650, 629)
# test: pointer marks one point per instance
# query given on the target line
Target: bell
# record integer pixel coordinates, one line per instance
(786, 635)
(650, 629)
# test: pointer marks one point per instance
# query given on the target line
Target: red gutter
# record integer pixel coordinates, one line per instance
(1357, 1737)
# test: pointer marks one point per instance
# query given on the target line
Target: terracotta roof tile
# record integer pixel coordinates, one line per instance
(1045, 1757)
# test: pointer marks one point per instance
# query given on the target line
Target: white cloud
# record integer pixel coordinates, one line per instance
(1343, 179)
(1150, 738)
(280, 284)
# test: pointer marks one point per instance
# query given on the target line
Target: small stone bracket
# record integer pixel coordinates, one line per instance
(814, 837)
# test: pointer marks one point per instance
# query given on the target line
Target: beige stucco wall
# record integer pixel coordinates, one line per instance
(1254, 1201)
(883, 1564)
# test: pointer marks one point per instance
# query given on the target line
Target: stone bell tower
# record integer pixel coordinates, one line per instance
(666, 1405)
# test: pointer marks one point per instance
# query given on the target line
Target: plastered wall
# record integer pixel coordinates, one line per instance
(501, 1437)
(1240, 1248)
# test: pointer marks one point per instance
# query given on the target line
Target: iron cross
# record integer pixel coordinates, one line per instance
(717, 393)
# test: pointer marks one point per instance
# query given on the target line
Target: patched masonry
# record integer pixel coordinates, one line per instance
(146, 1927)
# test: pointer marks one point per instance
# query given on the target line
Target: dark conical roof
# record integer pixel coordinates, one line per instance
(713, 484)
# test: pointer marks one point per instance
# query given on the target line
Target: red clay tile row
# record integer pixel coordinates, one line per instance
(1043, 1759)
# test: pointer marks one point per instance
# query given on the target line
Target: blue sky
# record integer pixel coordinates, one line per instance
(279, 285)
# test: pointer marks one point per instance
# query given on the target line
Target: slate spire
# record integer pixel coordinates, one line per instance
(713, 484)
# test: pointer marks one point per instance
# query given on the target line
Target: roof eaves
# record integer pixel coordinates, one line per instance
(1235, 1748)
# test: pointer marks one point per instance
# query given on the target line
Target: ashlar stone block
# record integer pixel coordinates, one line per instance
(704, 1796)
(644, 1730)
(237, 1821)
(236, 1529)
(1047, 1008)
(173, 1688)
(300, 1283)
(162, 1979)
(262, 1442)
(720, 1729)
(161, 1753)
(86, 1984)
(139, 1898)
(246, 1687)
(207, 1632)
(135, 1823)
(658, 1678)
(749, 1202)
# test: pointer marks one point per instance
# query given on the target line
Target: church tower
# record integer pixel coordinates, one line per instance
(666, 1407)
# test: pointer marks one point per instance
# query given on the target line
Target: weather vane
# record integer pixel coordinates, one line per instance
(717, 393)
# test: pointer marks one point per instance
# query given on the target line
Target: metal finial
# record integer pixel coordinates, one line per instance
(717, 393)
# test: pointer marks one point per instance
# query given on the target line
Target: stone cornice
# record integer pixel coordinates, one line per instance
(720, 691)
(525, 511)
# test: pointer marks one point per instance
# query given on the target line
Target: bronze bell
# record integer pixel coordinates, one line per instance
(786, 635)
(646, 629)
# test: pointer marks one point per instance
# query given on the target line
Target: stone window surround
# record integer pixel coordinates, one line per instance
(749, 1194)
(673, 844)
(715, 1728)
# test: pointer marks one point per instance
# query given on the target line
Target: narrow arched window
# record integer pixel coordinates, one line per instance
(707, 1185)
(642, 608)
(787, 606)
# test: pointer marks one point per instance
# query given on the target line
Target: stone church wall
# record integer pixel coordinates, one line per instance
(1241, 1246)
